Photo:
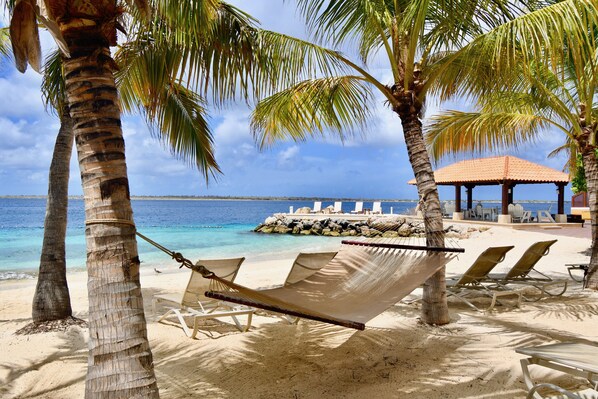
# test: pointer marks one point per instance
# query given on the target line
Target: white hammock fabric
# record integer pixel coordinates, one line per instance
(358, 284)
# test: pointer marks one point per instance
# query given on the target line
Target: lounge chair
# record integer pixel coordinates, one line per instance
(358, 207)
(317, 206)
(521, 272)
(577, 359)
(305, 265)
(195, 305)
(338, 207)
(473, 281)
(377, 207)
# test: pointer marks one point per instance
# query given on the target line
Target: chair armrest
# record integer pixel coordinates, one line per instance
(532, 392)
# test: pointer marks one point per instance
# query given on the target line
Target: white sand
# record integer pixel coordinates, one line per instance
(395, 357)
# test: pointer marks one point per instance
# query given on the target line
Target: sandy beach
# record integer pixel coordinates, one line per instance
(395, 357)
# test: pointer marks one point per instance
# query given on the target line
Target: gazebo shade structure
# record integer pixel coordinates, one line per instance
(507, 171)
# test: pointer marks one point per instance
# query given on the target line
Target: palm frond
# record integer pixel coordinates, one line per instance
(53, 86)
(455, 132)
(312, 108)
(180, 122)
(452, 24)
(225, 56)
(540, 36)
(147, 82)
(5, 42)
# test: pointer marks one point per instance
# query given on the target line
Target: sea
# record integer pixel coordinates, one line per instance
(197, 228)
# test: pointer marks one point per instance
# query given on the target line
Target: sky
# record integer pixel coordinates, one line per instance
(372, 165)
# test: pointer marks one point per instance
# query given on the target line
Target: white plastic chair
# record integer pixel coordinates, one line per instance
(377, 207)
(358, 207)
(317, 206)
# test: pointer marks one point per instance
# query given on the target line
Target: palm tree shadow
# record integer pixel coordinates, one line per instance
(71, 350)
(312, 360)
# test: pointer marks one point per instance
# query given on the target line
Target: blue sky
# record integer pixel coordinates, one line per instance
(373, 165)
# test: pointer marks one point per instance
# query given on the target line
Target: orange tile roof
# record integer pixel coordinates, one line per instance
(495, 170)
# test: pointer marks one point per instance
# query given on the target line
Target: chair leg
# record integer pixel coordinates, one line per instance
(527, 378)
(181, 319)
(543, 288)
(495, 296)
(456, 295)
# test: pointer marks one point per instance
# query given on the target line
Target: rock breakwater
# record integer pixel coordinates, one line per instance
(376, 226)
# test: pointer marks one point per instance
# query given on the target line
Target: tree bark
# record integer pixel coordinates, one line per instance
(51, 300)
(120, 361)
(434, 303)
(591, 168)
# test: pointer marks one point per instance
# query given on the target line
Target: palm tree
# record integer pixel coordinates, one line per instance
(118, 337)
(180, 116)
(214, 52)
(540, 82)
(408, 36)
(51, 300)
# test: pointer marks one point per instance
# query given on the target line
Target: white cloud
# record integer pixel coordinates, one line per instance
(21, 96)
(288, 156)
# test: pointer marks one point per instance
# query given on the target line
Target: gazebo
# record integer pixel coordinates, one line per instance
(507, 171)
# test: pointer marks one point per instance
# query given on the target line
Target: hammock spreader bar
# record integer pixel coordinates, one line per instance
(261, 305)
(401, 246)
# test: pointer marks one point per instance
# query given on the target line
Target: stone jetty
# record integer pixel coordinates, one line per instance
(337, 226)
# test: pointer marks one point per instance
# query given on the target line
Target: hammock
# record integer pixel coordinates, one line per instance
(358, 284)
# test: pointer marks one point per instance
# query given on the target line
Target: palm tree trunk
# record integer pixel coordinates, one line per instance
(120, 361)
(591, 168)
(51, 300)
(434, 304)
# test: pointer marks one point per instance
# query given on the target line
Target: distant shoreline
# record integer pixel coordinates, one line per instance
(256, 198)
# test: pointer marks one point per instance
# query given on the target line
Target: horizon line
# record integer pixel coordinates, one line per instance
(259, 198)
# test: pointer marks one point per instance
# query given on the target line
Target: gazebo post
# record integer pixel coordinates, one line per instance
(457, 215)
(511, 189)
(469, 189)
(561, 217)
(504, 216)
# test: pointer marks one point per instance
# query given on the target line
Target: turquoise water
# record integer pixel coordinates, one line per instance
(196, 228)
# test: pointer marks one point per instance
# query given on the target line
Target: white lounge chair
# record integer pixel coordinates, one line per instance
(358, 207)
(196, 306)
(338, 207)
(577, 359)
(544, 215)
(377, 207)
(317, 206)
